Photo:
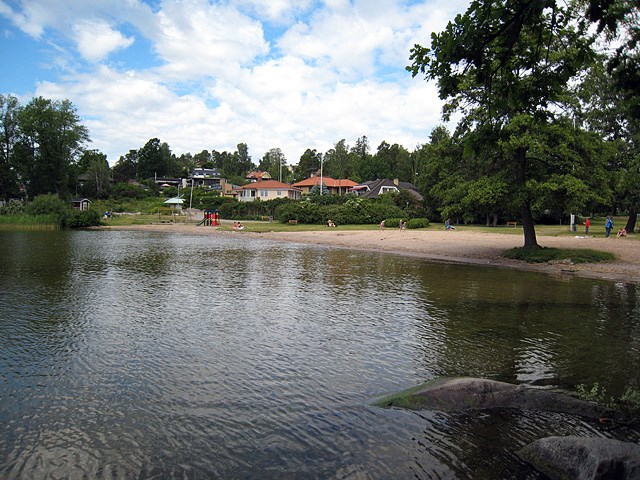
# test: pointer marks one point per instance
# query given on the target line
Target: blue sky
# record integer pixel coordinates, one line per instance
(204, 74)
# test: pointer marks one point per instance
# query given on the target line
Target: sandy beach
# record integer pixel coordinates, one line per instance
(459, 246)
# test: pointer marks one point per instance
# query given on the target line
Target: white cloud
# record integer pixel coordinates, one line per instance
(196, 38)
(96, 40)
(335, 70)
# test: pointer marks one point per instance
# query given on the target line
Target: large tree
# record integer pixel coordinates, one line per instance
(155, 160)
(126, 167)
(275, 162)
(506, 66)
(308, 165)
(51, 138)
(9, 108)
(94, 166)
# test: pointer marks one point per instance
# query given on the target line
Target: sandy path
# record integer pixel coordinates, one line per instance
(460, 246)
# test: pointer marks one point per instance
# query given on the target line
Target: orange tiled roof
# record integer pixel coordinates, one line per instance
(328, 181)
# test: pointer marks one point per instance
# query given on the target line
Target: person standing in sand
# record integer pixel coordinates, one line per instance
(587, 224)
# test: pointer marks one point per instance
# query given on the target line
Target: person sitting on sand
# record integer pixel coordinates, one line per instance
(622, 232)
(330, 223)
(448, 226)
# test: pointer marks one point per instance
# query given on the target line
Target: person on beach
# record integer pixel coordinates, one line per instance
(382, 225)
(622, 232)
(608, 226)
(403, 225)
(447, 225)
(330, 223)
(587, 224)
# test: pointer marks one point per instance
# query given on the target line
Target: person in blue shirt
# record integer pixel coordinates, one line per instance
(608, 226)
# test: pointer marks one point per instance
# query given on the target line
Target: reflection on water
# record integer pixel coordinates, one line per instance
(129, 354)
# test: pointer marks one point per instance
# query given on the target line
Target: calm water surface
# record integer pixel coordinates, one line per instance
(148, 355)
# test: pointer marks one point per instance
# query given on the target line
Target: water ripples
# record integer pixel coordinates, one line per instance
(154, 356)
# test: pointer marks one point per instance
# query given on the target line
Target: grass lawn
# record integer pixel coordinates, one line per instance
(597, 226)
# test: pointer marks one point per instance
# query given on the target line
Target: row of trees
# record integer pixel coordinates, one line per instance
(341, 161)
(43, 150)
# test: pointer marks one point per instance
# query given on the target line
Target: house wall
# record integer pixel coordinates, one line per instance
(249, 195)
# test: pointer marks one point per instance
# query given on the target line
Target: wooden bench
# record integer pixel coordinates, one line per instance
(293, 222)
(512, 224)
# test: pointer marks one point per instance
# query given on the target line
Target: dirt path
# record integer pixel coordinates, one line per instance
(460, 246)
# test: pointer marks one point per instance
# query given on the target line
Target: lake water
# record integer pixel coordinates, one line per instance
(150, 355)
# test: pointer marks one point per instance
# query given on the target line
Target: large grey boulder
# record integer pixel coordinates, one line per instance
(579, 458)
(457, 394)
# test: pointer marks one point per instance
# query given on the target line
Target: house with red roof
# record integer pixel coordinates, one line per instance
(267, 190)
(335, 187)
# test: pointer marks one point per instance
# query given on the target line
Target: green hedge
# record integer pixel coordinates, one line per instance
(354, 211)
(418, 223)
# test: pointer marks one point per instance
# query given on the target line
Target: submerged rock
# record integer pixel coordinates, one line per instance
(456, 394)
(584, 458)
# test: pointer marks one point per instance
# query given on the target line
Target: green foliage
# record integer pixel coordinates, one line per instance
(123, 190)
(354, 211)
(628, 402)
(48, 204)
(418, 223)
(544, 254)
(392, 222)
(12, 208)
(231, 208)
(81, 219)
(52, 138)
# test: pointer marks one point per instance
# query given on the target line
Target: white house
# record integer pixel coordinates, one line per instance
(267, 190)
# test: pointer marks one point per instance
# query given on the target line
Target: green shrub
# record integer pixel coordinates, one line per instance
(78, 219)
(12, 208)
(418, 223)
(354, 211)
(126, 190)
(392, 222)
(49, 204)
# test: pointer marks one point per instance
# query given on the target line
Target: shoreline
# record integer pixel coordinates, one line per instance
(459, 246)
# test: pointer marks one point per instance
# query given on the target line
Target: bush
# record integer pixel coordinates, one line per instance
(78, 219)
(12, 208)
(392, 222)
(354, 211)
(126, 190)
(49, 204)
(418, 223)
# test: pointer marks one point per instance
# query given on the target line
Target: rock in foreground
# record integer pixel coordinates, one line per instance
(459, 394)
(584, 458)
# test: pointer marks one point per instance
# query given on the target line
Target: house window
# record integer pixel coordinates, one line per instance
(387, 189)
(264, 193)
(279, 193)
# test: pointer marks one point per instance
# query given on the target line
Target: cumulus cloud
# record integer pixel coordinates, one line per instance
(196, 38)
(96, 40)
(285, 74)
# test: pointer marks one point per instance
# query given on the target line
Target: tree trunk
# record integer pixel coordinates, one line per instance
(528, 227)
(631, 221)
(488, 224)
